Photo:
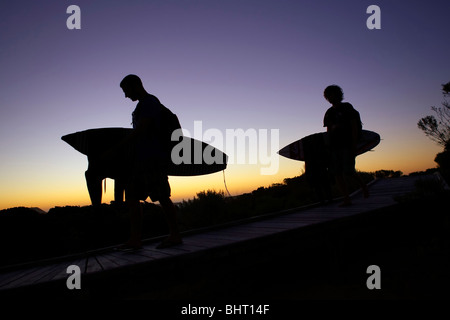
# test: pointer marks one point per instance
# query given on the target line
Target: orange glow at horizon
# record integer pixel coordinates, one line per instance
(239, 178)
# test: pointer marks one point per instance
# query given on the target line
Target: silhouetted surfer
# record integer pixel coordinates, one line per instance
(147, 176)
(343, 124)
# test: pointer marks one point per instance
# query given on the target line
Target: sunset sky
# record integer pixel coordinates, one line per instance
(258, 65)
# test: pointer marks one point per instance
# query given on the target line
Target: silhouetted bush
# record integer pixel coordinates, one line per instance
(26, 235)
(443, 161)
(388, 174)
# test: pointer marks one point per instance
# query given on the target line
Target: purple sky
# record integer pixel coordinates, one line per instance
(230, 64)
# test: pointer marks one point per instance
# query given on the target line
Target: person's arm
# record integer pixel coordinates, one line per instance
(354, 128)
(142, 127)
(140, 130)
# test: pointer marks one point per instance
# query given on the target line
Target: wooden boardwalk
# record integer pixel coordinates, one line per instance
(100, 267)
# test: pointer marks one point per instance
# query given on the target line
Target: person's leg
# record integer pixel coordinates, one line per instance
(349, 161)
(159, 190)
(119, 188)
(339, 170)
(362, 184)
(170, 213)
(94, 186)
(135, 213)
(342, 185)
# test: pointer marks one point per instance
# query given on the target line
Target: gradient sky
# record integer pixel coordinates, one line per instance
(248, 64)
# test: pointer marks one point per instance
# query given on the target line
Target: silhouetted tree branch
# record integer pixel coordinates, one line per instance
(438, 128)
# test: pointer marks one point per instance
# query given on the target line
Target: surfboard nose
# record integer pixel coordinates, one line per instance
(77, 141)
(69, 138)
(65, 138)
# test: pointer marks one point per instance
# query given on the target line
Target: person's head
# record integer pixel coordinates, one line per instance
(132, 87)
(333, 94)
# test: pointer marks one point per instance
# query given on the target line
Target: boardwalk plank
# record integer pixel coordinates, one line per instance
(7, 277)
(229, 237)
(251, 231)
(167, 252)
(127, 257)
(14, 276)
(60, 270)
(31, 277)
(244, 234)
(208, 243)
(93, 265)
(109, 261)
(208, 237)
(187, 241)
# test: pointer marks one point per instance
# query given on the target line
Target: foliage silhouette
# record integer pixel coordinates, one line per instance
(438, 129)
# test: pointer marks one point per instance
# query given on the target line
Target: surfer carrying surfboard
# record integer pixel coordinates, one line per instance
(147, 176)
(344, 127)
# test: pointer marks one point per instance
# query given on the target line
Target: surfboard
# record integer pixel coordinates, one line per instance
(192, 157)
(296, 149)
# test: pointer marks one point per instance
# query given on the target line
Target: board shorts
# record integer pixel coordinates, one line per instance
(342, 161)
(148, 180)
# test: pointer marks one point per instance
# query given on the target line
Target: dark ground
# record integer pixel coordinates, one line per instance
(410, 242)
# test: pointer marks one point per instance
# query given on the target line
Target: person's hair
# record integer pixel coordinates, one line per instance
(131, 80)
(334, 90)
